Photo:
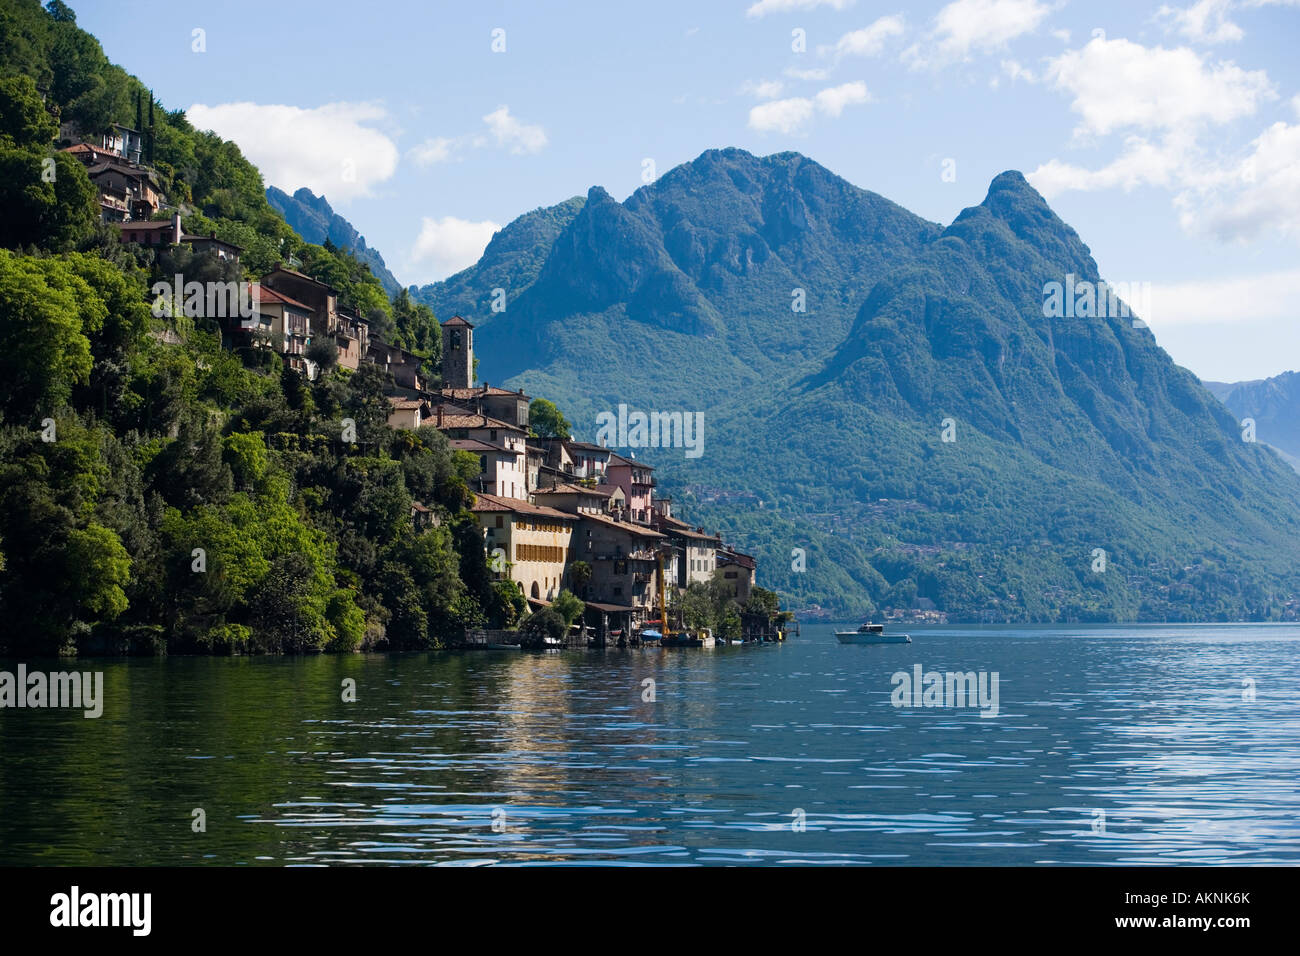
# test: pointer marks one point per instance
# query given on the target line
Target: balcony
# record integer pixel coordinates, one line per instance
(624, 556)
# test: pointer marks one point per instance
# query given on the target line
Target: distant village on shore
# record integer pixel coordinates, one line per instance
(543, 503)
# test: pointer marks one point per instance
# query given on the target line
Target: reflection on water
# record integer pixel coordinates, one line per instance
(1112, 746)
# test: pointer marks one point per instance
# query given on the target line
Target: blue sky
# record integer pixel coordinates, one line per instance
(1168, 135)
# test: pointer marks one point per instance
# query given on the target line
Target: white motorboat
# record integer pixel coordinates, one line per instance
(871, 634)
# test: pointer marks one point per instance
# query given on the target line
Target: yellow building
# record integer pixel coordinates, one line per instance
(536, 541)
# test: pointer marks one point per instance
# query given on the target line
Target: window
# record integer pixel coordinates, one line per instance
(500, 521)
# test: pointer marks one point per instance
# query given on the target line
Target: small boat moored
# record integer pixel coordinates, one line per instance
(682, 639)
(871, 634)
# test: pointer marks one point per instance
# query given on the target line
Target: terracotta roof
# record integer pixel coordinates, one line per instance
(476, 446)
(405, 404)
(675, 527)
(457, 322)
(460, 394)
(569, 489)
(266, 294)
(114, 166)
(453, 416)
(735, 557)
(609, 608)
(379, 345)
(635, 529)
(484, 502)
(139, 225)
(616, 459)
(280, 267)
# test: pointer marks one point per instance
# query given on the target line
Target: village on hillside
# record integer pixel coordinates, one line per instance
(556, 514)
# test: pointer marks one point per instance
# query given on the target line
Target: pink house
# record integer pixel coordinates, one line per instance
(636, 481)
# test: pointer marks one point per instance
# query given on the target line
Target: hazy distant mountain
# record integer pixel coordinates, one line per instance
(314, 219)
(824, 436)
(1273, 403)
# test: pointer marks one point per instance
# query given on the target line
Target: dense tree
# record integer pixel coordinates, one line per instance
(545, 624)
(545, 420)
(47, 197)
(568, 606)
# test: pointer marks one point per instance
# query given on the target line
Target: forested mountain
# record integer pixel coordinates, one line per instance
(1077, 443)
(313, 218)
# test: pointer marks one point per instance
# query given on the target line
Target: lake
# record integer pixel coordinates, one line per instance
(1111, 745)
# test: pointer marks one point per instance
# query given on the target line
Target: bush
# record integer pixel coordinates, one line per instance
(545, 623)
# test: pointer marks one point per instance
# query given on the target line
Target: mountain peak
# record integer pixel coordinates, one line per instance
(1013, 205)
(1011, 179)
(1011, 196)
(313, 218)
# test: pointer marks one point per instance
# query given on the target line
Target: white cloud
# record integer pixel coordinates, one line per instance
(1142, 163)
(1253, 194)
(869, 41)
(1259, 195)
(964, 27)
(1167, 100)
(508, 132)
(1017, 72)
(1118, 84)
(1239, 299)
(791, 115)
(435, 150)
(763, 89)
(763, 7)
(448, 245)
(816, 73)
(784, 116)
(1205, 21)
(503, 130)
(832, 101)
(967, 25)
(330, 149)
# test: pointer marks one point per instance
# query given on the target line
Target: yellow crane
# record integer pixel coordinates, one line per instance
(663, 603)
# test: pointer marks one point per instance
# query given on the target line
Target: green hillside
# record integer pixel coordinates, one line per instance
(161, 493)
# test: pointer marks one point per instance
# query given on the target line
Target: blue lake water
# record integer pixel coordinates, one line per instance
(1112, 745)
